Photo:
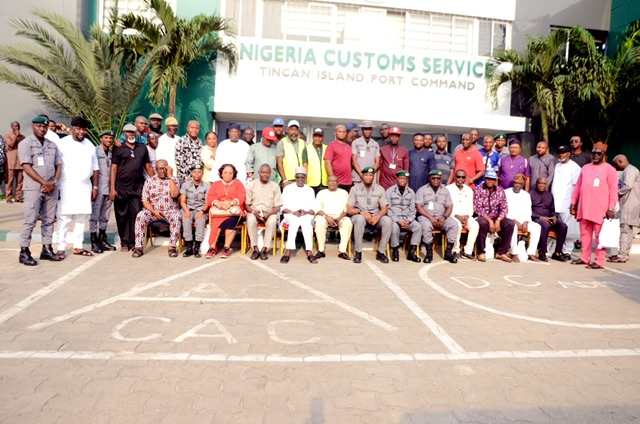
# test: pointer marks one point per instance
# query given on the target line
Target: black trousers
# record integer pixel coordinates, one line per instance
(506, 232)
(125, 210)
(561, 235)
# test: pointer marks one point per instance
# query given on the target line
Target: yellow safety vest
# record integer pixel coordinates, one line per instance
(316, 170)
(291, 160)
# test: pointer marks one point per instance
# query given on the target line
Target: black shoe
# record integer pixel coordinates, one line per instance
(395, 255)
(382, 258)
(319, 255)
(48, 254)
(578, 244)
(96, 246)
(263, 255)
(102, 238)
(464, 255)
(567, 256)
(411, 256)
(196, 249)
(543, 257)
(189, 251)
(255, 255)
(343, 255)
(25, 257)
(559, 257)
(357, 258)
(428, 258)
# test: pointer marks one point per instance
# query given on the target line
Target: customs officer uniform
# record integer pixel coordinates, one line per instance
(402, 207)
(101, 207)
(195, 197)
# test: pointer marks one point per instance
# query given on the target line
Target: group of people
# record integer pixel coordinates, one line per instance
(355, 187)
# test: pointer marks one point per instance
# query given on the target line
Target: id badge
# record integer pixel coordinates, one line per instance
(362, 153)
(392, 166)
(40, 161)
(596, 182)
(430, 206)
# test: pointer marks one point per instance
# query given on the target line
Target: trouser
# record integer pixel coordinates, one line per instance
(345, 226)
(187, 226)
(304, 222)
(269, 229)
(78, 230)
(100, 211)
(383, 226)
(414, 228)
(45, 205)
(573, 231)
(17, 175)
(534, 238)
(472, 234)
(561, 235)
(450, 228)
(587, 231)
(126, 209)
(626, 240)
(506, 232)
(145, 217)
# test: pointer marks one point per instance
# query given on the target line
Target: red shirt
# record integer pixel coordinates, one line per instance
(469, 161)
(392, 161)
(339, 154)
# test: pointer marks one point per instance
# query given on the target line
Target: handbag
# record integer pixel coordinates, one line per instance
(609, 234)
(232, 211)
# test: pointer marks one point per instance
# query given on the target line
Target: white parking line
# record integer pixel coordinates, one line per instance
(25, 303)
(431, 324)
(219, 300)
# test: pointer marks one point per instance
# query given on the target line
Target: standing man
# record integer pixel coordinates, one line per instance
(434, 206)
(368, 207)
(248, 135)
(332, 212)
(101, 207)
(298, 209)
(366, 152)
(520, 212)
(128, 163)
(394, 158)
(155, 124)
(337, 158)
(193, 196)
(78, 185)
(152, 145)
(278, 128)
(490, 204)
(352, 132)
(629, 214)
(263, 153)
(577, 155)
(402, 211)
(262, 204)
(444, 159)
(188, 151)
(469, 159)
(313, 161)
(512, 165)
(501, 143)
(14, 169)
(544, 214)
(542, 164)
(428, 142)
(593, 199)
(233, 151)
(462, 213)
(490, 157)
(421, 162)
(565, 178)
(166, 149)
(384, 134)
(42, 165)
(289, 153)
(140, 124)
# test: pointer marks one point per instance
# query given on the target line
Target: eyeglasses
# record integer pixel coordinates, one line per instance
(574, 140)
(436, 178)
(597, 153)
(461, 176)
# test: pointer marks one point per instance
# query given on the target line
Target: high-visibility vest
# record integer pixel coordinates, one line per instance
(316, 170)
(291, 160)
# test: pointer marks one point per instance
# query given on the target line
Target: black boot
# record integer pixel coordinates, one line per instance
(25, 257)
(48, 254)
(357, 258)
(411, 256)
(189, 251)
(395, 255)
(102, 237)
(96, 246)
(196, 249)
(450, 256)
(429, 256)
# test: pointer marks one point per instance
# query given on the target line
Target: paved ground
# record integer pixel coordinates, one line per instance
(113, 339)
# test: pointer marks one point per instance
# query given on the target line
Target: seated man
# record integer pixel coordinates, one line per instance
(368, 207)
(193, 196)
(402, 211)
(433, 203)
(462, 213)
(159, 195)
(332, 212)
(544, 213)
(298, 208)
(490, 204)
(262, 205)
(519, 211)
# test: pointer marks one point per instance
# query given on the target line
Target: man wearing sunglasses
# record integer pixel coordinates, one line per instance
(593, 200)
(577, 155)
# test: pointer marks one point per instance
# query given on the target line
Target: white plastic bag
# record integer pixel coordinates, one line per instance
(488, 250)
(609, 234)
(521, 251)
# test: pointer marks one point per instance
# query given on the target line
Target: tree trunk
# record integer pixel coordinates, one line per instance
(172, 99)
(545, 126)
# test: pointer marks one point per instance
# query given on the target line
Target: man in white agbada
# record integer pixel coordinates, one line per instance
(166, 149)
(233, 151)
(565, 178)
(78, 185)
(462, 212)
(298, 208)
(519, 210)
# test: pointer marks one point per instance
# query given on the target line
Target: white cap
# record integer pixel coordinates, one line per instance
(292, 123)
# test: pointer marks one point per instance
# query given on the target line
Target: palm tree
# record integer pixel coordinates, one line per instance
(188, 41)
(74, 74)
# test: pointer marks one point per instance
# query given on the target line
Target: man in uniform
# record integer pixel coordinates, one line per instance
(101, 207)
(421, 162)
(188, 151)
(462, 213)
(434, 205)
(313, 160)
(263, 153)
(159, 198)
(42, 165)
(394, 158)
(366, 152)
(501, 143)
(368, 206)
(332, 212)
(444, 159)
(289, 153)
(337, 158)
(78, 185)
(193, 195)
(298, 209)
(577, 154)
(629, 214)
(262, 204)
(402, 211)
(14, 169)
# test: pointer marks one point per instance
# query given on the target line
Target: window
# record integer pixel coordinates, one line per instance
(124, 7)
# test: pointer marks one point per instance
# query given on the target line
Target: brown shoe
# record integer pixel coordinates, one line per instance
(503, 257)
(482, 257)
(534, 258)
(515, 258)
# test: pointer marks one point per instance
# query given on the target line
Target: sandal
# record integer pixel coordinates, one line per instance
(285, 259)
(173, 252)
(312, 259)
(137, 252)
(617, 260)
(579, 262)
(82, 252)
(60, 254)
(594, 265)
